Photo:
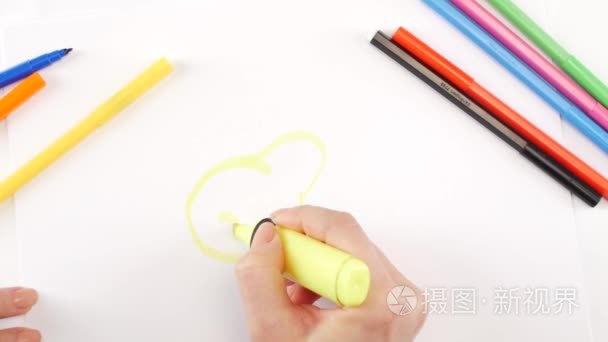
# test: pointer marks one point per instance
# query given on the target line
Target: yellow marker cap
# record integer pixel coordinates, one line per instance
(319, 267)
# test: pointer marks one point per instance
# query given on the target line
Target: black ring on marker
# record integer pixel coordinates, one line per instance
(266, 220)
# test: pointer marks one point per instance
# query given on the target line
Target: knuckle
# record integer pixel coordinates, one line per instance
(249, 267)
(343, 218)
(246, 268)
(263, 328)
(309, 210)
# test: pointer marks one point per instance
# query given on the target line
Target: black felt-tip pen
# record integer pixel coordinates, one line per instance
(533, 153)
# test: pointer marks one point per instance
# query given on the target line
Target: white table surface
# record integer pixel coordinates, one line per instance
(568, 21)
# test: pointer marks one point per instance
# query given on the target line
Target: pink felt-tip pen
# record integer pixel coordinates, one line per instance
(557, 78)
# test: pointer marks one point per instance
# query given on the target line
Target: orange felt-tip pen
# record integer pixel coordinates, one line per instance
(20, 94)
(499, 109)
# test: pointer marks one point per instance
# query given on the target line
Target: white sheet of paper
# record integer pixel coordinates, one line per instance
(583, 39)
(8, 246)
(103, 231)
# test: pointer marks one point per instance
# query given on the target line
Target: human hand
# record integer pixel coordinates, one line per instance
(15, 302)
(275, 313)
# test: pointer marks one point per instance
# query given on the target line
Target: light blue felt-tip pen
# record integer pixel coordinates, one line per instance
(543, 89)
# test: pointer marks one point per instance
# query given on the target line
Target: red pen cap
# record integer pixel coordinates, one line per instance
(432, 59)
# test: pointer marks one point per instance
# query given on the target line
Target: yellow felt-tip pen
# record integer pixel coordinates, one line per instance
(319, 267)
(98, 117)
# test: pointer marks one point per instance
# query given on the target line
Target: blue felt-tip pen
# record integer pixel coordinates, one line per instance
(27, 68)
(518, 68)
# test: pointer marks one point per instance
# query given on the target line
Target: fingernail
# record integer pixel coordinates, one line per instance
(265, 234)
(24, 298)
(28, 336)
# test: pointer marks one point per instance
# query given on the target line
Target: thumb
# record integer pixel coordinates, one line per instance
(260, 275)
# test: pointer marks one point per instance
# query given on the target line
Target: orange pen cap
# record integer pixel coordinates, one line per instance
(20, 94)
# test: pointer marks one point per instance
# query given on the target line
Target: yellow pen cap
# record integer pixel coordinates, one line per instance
(319, 267)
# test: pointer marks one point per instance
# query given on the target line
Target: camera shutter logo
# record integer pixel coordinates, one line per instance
(401, 300)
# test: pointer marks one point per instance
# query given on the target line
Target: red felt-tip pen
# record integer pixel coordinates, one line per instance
(499, 109)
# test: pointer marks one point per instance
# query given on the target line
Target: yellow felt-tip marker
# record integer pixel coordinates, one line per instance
(98, 117)
(319, 267)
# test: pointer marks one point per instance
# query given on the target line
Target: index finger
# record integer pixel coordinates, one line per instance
(335, 228)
